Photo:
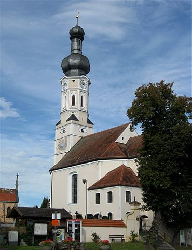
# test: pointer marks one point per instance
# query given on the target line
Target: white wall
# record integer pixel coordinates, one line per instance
(103, 232)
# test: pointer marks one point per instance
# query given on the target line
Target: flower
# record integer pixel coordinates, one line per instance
(46, 243)
(69, 241)
(104, 242)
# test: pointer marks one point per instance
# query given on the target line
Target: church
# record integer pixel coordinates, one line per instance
(94, 174)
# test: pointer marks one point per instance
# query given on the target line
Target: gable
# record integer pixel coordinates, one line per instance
(121, 176)
(8, 195)
(94, 147)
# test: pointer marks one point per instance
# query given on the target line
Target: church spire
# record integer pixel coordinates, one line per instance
(75, 122)
(76, 64)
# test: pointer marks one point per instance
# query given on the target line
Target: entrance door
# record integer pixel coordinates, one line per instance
(74, 228)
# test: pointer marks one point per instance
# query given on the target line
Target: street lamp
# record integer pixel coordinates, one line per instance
(85, 182)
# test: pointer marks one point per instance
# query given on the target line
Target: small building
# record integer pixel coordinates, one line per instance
(9, 198)
(31, 215)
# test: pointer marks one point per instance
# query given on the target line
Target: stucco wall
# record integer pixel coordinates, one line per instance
(92, 172)
(103, 232)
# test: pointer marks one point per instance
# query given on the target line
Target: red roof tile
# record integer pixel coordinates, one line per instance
(133, 145)
(8, 195)
(102, 223)
(121, 176)
(96, 146)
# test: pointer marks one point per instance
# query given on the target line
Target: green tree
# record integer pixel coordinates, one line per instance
(45, 203)
(165, 158)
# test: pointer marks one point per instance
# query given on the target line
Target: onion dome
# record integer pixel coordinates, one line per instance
(76, 64)
(77, 32)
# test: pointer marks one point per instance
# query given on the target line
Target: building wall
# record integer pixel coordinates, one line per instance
(103, 232)
(92, 172)
(3, 211)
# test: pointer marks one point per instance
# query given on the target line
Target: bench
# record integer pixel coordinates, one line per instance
(117, 236)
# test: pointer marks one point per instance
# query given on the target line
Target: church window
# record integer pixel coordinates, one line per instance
(109, 197)
(73, 100)
(128, 196)
(110, 216)
(97, 198)
(74, 188)
(82, 101)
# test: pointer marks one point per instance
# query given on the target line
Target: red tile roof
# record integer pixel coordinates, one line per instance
(102, 223)
(97, 146)
(8, 195)
(133, 145)
(121, 176)
(93, 147)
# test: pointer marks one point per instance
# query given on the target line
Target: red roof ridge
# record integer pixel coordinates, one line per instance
(120, 176)
(113, 145)
(92, 147)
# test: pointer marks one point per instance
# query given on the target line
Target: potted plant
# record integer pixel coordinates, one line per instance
(46, 244)
(104, 245)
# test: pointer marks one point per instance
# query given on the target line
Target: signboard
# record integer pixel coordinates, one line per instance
(55, 223)
(40, 229)
(60, 235)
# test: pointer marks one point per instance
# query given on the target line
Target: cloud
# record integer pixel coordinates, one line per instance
(31, 156)
(103, 19)
(6, 110)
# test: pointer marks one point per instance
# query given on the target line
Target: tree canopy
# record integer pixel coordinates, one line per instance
(165, 161)
(45, 203)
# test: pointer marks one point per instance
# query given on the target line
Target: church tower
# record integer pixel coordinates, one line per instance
(74, 122)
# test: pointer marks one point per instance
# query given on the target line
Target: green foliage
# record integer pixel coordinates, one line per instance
(165, 159)
(133, 236)
(28, 236)
(45, 203)
(95, 237)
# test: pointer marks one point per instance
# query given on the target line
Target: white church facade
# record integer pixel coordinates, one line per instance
(94, 174)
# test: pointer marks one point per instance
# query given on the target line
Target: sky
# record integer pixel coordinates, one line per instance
(128, 42)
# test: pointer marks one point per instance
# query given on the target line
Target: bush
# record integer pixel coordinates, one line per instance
(95, 237)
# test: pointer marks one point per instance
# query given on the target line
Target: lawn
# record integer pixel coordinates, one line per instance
(93, 246)
(89, 246)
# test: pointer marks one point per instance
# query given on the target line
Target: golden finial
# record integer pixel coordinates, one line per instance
(77, 15)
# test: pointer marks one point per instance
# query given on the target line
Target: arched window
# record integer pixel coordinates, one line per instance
(97, 198)
(73, 100)
(82, 101)
(74, 188)
(109, 197)
(110, 216)
(128, 196)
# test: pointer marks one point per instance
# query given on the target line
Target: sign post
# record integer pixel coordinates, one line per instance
(55, 222)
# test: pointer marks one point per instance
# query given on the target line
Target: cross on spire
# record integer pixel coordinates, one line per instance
(77, 15)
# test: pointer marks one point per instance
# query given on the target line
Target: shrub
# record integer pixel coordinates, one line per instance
(95, 237)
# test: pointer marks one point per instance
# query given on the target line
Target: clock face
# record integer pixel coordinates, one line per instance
(62, 144)
(83, 84)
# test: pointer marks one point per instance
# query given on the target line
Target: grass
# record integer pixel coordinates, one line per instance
(94, 246)
(89, 246)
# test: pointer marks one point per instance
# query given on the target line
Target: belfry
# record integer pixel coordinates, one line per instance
(74, 122)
